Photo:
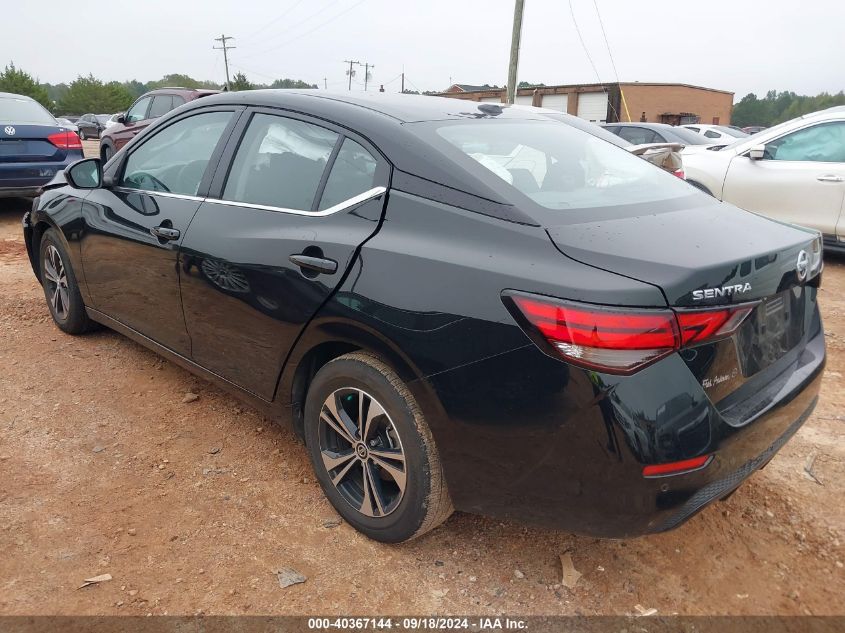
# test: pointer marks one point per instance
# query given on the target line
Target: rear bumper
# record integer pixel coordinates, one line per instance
(24, 179)
(525, 437)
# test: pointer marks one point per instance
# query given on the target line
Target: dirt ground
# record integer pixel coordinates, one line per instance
(192, 507)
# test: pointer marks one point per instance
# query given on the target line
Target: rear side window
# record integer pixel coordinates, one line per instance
(353, 172)
(14, 110)
(637, 135)
(279, 163)
(138, 112)
(175, 159)
(162, 104)
(712, 134)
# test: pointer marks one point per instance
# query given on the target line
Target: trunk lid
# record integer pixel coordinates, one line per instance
(711, 254)
(29, 144)
(701, 254)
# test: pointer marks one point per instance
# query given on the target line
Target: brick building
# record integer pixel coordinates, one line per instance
(657, 102)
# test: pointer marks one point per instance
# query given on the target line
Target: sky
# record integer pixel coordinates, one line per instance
(739, 45)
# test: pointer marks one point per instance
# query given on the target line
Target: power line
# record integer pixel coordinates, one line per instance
(319, 26)
(612, 63)
(225, 48)
(274, 20)
(587, 53)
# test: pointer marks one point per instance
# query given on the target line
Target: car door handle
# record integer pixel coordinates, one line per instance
(830, 178)
(165, 233)
(317, 264)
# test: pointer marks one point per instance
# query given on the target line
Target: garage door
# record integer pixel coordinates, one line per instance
(556, 102)
(592, 106)
(523, 99)
(491, 99)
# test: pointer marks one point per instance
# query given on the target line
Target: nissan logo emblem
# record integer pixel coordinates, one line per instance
(9, 130)
(802, 266)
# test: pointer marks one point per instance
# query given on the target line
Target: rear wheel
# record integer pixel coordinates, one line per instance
(60, 287)
(82, 136)
(372, 451)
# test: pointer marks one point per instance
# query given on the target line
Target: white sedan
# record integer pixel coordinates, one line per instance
(794, 172)
(718, 134)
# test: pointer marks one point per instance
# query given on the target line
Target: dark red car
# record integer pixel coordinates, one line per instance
(146, 109)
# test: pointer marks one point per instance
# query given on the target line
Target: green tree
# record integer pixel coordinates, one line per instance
(777, 107)
(527, 84)
(240, 82)
(135, 87)
(291, 83)
(22, 83)
(88, 94)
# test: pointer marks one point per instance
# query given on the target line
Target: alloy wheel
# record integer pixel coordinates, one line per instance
(56, 280)
(362, 452)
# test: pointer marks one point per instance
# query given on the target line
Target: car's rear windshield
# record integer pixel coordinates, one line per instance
(23, 111)
(558, 166)
(689, 137)
(732, 132)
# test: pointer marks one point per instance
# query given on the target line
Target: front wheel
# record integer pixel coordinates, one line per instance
(60, 286)
(372, 451)
(106, 152)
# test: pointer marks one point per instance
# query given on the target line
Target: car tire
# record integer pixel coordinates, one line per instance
(61, 289)
(106, 152)
(391, 486)
(82, 136)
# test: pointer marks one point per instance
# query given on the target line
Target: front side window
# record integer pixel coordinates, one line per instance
(138, 111)
(279, 163)
(353, 172)
(824, 143)
(556, 166)
(175, 159)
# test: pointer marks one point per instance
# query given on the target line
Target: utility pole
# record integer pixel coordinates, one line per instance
(403, 82)
(350, 72)
(515, 36)
(325, 83)
(367, 73)
(225, 48)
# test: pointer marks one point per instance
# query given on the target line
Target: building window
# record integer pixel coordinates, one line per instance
(715, 120)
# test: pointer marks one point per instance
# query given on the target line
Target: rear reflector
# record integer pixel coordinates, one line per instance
(65, 140)
(676, 468)
(617, 340)
(680, 174)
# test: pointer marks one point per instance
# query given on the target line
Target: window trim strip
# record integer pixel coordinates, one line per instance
(341, 206)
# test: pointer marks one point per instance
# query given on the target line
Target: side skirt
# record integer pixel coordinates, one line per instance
(275, 412)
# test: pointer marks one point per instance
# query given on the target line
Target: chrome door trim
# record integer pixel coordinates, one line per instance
(341, 206)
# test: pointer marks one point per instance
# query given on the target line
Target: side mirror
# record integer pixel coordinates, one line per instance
(757, 152)
(121, 118)
(85, 174)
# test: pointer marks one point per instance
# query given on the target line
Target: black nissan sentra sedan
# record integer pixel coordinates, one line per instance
(455, 304)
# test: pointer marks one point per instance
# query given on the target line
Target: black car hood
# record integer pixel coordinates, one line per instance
(691, 243)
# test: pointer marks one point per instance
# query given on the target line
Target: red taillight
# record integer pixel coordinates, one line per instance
(619, 340)
(65, 140)
(676, 468)
(703, 325)
(680, 174)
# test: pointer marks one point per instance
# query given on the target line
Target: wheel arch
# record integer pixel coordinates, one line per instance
(320, 344)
